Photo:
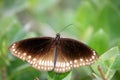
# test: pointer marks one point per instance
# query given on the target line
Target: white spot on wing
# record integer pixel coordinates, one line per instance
(75, 61)
(13, 49)
(93, 57)
(94, 53)
(81, 59)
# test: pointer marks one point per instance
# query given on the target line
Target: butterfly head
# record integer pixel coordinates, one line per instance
(57, 36)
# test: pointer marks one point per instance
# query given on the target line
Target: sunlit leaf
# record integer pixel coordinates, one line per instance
(106, 61)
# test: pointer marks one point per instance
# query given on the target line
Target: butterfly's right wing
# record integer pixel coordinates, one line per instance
(72, 54)
(39, 52)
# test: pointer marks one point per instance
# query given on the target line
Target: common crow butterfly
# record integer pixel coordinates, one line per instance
(57, 54)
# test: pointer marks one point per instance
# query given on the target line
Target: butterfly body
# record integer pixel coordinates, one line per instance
(58, 54)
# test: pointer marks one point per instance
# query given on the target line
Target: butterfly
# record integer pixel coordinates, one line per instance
(57, 54)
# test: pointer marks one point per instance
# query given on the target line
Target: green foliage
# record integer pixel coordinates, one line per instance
(109, 62)
(95, 22)
(102, 39)
(58, 76)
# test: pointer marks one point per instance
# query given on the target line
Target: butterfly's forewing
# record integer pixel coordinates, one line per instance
(72, 54)
(39, 52)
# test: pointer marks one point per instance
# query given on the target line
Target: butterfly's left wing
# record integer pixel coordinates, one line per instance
(39, 52)
(72, 54)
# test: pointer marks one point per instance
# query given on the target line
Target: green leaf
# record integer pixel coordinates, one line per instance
(107, 62)
(58, 76)
(99, 41)
(116, 76)
(114, 18)
(3, 61)
(82, 73)
(116, 64)
(68, 77)
(23, 71)
(86, 14)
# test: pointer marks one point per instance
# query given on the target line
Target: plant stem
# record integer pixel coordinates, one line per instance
(101, 72)
(36, 78)
(4, 74)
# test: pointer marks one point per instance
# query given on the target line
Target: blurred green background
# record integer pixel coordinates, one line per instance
(95, 22)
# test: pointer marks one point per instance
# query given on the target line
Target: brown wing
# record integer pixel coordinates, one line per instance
(62, 63)
(73, 54)
(39, 52)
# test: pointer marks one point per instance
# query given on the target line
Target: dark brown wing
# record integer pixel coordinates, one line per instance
(72, 54)
(39, 52)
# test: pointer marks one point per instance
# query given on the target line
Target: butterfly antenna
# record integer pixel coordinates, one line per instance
(65, 27)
